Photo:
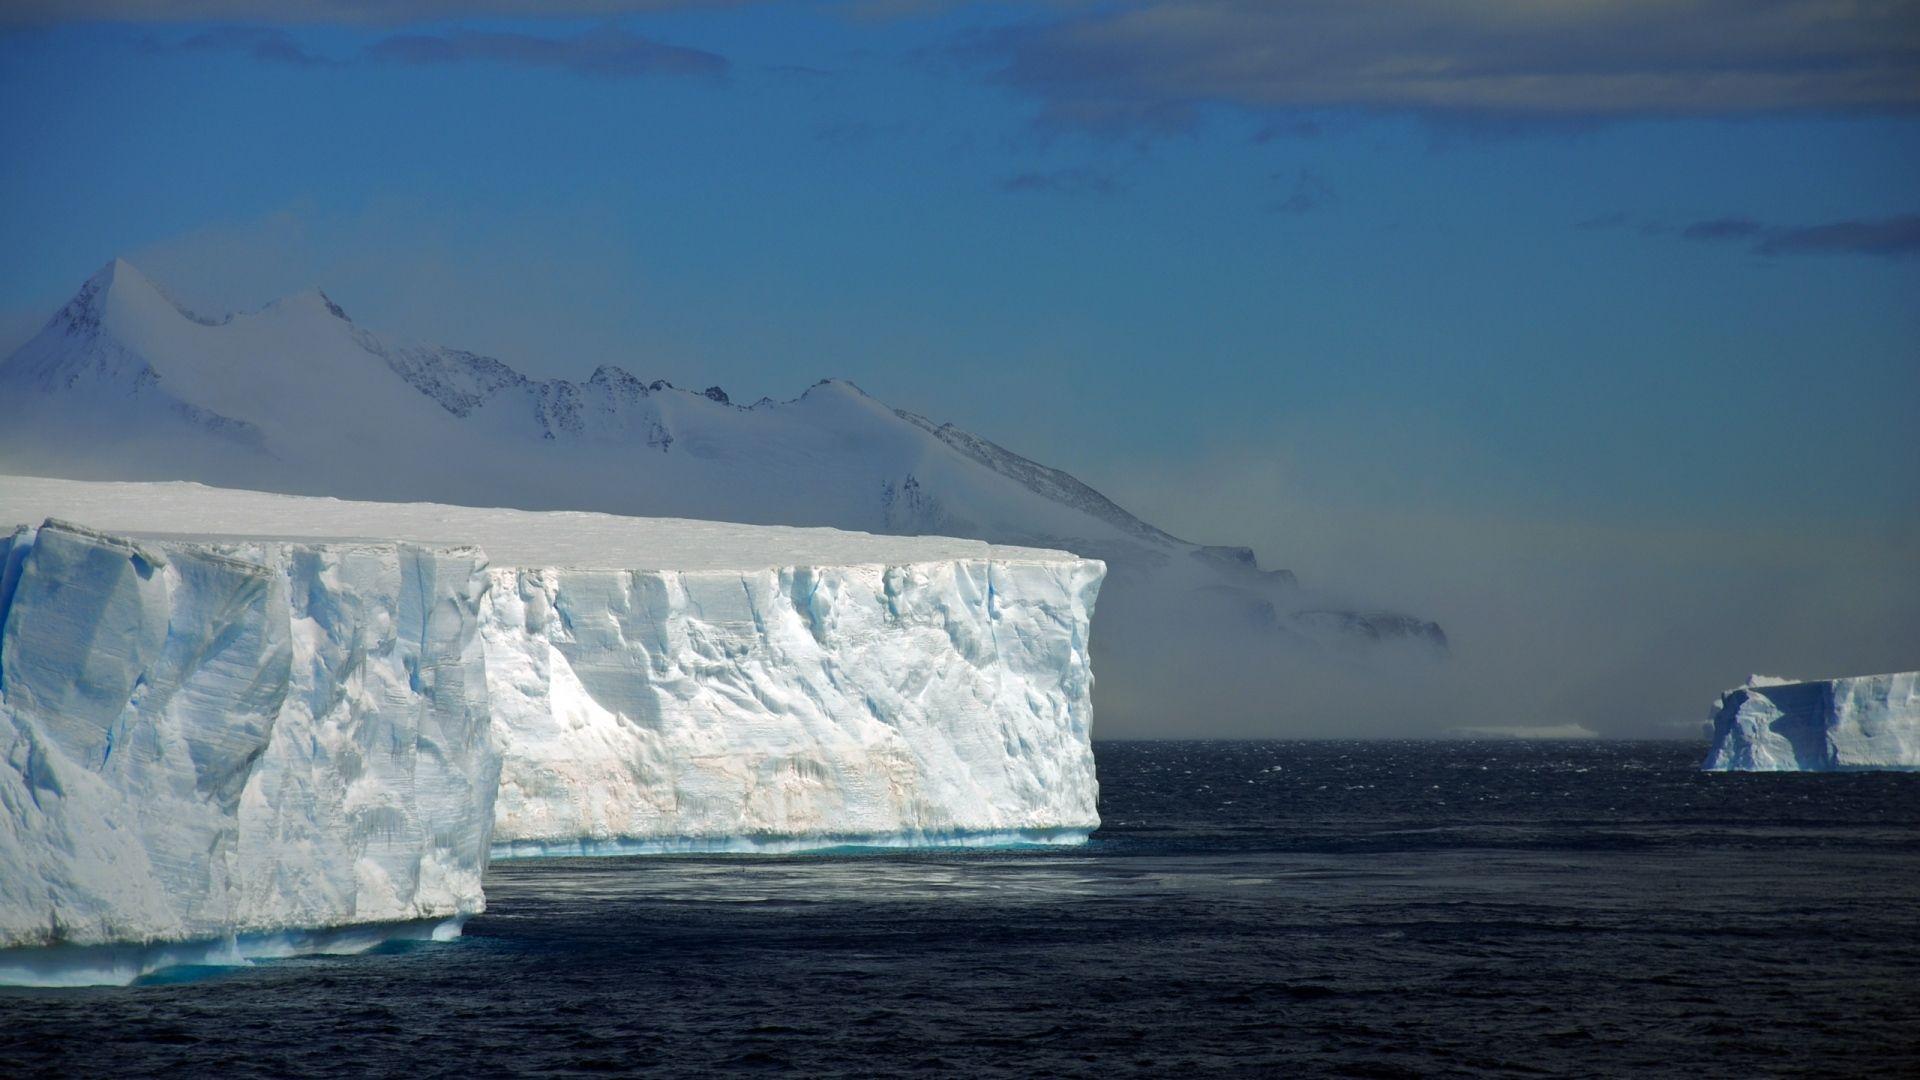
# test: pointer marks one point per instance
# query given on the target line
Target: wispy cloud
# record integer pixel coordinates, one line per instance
(1892, 237)
(1727, 228)
(1886, 237)
(1151, 67)
(604, 51)
(850, 133)
(1889, 237)
(607, 50)
(261, 43)
(1078, 181)
(1306, 191)
(1288, 128)
(370, 12)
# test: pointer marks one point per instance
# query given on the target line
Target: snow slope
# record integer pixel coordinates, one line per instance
(1776, 725)
(123, 384)
(661, 684)
(221, 747)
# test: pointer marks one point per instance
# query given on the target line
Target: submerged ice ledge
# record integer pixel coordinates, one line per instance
(786, 845)
(122, 964)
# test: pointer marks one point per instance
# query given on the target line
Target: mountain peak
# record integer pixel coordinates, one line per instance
(117, 286)
(843, 387)
(118, 271)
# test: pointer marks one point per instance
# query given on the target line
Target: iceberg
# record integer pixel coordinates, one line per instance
(675, 685)
(217, 748)
(1778, 725)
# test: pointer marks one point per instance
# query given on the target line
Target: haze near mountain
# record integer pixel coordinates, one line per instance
(122, 383)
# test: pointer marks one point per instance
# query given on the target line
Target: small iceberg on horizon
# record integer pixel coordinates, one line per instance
(1523, 731)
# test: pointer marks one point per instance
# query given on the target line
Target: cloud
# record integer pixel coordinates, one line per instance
(1079, 181)
(261, 43)
(858, 133)
(1152, 67)
(1289, 128)
(607, 50)
(1890, 237)
(1730, 228)
(1883, 237)
(376, 12)
(1886, 237)
(1308, 193)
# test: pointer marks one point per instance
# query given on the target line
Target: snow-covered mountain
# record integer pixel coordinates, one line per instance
(123, 383)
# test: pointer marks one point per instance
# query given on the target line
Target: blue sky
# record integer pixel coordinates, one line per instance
(1626, 265)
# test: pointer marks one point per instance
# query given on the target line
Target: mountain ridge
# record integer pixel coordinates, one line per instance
(125, 383)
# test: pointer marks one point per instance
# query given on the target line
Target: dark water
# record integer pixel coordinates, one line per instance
(1374, 910)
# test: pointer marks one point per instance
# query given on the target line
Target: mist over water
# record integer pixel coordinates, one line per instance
(1561, 606)
(1379, 909)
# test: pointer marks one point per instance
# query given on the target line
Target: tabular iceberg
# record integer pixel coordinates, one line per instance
(1777, 725)
(215, 747)
(664, 684)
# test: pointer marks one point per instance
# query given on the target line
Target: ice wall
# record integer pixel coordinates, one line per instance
(232, 744)
(792, 707)
(1772, 725)
(663, 684)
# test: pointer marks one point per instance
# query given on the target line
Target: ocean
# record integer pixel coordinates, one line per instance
(1262, 908)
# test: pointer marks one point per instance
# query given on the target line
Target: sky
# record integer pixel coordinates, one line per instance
(1590, 329)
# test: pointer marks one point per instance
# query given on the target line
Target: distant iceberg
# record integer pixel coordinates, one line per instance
(1778, 725)
(1524, 732)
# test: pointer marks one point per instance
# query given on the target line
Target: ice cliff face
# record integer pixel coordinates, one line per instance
(1773, 725)
(233, 740)
(663, 710)
(661, 684)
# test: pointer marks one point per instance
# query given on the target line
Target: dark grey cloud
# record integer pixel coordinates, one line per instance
(1152, 65)
(1306, 192)
(607, 50)
(1078, 181)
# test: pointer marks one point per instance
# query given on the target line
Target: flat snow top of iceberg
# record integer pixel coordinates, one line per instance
(511, 538)
(1764, 683)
